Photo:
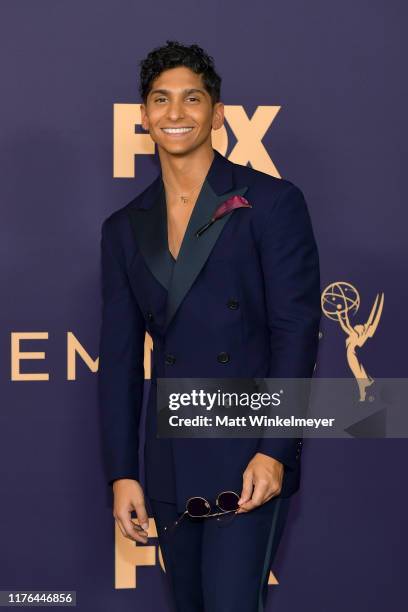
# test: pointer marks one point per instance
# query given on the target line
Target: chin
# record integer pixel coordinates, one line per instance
(177, 149)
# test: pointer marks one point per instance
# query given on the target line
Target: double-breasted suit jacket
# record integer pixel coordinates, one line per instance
(241, 300)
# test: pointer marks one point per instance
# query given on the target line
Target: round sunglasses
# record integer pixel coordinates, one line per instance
(199, 507)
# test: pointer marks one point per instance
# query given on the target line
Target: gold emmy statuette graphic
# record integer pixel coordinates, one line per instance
(338, 300)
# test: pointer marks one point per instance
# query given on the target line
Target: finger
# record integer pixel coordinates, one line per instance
(142, 515)
(260, 492)
(246, 507)
(243, 508)
(271, 493)
(130, 529)
(138, 529)
(258, 497)
(119, 523)
(142, 539)
(247, 487)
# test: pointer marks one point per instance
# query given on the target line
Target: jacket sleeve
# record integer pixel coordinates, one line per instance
(121, 364)
(291, 271)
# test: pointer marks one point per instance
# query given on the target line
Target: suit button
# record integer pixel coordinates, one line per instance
(149, 316)
(233, 304)
(170, 359)
(223, 357)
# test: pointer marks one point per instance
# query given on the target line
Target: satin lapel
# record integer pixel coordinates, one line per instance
(150, 228)
(149, 222)
(194, 250)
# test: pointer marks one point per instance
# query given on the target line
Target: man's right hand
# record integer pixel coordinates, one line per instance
(128, 496)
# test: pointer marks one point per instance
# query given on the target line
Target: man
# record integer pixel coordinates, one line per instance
(240, 300)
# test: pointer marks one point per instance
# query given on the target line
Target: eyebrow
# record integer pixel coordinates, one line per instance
(185, 91)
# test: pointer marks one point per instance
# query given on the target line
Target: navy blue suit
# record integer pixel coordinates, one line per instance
(241, 300)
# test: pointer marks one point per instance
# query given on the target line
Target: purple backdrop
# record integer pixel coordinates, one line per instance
(336, 69)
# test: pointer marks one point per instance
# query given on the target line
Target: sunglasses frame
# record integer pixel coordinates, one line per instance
(207, 504)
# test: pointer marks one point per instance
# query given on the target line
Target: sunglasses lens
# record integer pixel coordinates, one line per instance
(197, 506)
(228, 501)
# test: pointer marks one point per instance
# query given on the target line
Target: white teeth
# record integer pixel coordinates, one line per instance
(176, 130)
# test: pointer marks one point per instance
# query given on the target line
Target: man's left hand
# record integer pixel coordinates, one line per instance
(262, 480)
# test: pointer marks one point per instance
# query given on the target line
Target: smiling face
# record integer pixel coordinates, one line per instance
(178, 113)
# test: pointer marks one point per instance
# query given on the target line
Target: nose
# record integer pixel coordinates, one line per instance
(175, 110)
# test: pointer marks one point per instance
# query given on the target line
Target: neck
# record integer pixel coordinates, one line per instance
(182, 173)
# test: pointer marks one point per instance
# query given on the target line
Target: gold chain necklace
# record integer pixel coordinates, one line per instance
(184, 198)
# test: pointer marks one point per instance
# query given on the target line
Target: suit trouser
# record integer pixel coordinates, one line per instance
(220, 566)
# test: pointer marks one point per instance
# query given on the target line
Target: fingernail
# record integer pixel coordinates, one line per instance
(145, 526)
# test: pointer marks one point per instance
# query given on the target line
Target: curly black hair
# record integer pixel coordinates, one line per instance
(175, 54)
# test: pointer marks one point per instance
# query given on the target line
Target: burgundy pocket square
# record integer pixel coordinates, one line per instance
(235, 201)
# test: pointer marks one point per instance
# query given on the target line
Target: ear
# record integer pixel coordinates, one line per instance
(218, 116)
(144, 119)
